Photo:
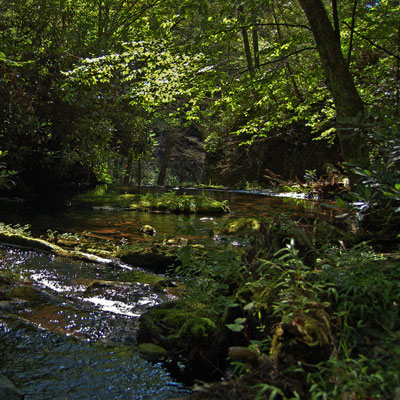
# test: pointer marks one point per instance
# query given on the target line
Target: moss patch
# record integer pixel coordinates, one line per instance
(166, 202)
(241, 226)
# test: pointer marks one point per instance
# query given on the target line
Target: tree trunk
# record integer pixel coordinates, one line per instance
(347, 101)
(335, 16)
(128, 171)
(353, 21)
(139, 172)
(398, 73)
(254, 32)
(246, 42)
(167, 155)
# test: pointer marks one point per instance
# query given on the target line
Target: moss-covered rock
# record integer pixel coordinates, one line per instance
(193, 331)
(25, 241)
(148, 230)
(156, 257)
(242, 226)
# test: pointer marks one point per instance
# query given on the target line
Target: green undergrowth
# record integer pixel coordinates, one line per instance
(165, 202)
(330, 323)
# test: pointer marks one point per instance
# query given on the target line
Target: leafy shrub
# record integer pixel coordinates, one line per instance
(5, 175)
(376, 197)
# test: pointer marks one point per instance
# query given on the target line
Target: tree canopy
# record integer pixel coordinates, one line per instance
(86, 87)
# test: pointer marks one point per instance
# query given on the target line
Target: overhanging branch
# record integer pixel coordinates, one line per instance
(278, 59)
(372, 43)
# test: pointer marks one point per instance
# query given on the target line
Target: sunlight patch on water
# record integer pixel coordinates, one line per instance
(50, 282)
(116, 307)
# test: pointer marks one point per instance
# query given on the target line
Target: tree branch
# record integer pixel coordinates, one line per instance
(278, 59)
(371, 42)
(276, 24)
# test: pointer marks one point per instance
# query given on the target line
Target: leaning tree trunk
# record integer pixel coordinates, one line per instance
(340, 82)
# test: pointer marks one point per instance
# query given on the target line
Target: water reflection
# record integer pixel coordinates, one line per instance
(117, 225)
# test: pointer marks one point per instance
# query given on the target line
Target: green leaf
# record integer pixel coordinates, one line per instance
(235, 327)
(152, 349)
(249, 306)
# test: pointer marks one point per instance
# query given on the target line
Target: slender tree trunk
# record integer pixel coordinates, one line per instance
(353, 22)
(128, 171)
(398, 73)
(336, 20)
(139, 172)
(167, 155)
(289, 72)
(254, 32)
(246, 42)
(347, 100)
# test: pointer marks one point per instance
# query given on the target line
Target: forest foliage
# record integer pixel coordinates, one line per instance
(85, 88)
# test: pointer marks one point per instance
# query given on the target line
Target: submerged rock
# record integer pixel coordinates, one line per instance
(6, 306)
(8, 391)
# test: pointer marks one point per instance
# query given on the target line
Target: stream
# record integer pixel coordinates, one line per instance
(66, 338)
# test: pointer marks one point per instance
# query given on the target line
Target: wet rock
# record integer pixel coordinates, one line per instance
(244, 354)
(176, 242)
(28, 293)
(106, 284)
(8, 391)
(148, 230)
(151, 259)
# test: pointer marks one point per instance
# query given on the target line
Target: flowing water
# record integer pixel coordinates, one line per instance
(68, 339)
(71, 341)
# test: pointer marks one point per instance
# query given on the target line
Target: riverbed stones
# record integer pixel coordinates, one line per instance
(8, 391)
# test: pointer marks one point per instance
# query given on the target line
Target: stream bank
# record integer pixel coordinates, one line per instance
(217, 263)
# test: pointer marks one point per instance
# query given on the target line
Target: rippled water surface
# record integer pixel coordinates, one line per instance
(68, 341)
